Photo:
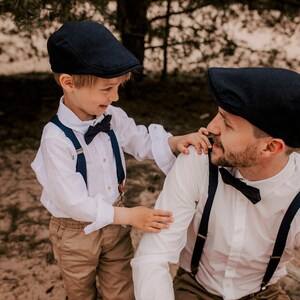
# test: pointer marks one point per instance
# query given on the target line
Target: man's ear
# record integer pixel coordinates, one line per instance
(66, 82)
(273, 146)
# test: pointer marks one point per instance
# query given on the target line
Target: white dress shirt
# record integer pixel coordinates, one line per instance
(240, 234)
(65, 193)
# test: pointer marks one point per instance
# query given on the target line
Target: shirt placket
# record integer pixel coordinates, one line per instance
(237, 241)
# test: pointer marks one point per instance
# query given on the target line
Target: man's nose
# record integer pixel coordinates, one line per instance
(213, 126)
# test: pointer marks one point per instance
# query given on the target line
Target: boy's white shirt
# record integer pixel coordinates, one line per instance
(65, 193)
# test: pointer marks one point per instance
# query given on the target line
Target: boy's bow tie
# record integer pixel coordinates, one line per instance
(250, 192)
(103, 126)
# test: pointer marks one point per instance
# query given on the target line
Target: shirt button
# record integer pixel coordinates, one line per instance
(104, 159)
(109, 188)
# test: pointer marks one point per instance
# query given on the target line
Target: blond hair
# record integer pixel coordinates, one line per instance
(86, 80)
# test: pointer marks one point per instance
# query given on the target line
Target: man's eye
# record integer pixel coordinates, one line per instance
(226, 124)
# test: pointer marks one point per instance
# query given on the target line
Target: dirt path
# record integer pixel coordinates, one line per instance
(28, 270)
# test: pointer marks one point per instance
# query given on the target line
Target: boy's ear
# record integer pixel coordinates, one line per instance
(273, 146)
(66, 82)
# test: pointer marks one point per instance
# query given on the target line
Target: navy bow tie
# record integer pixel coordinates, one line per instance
(250, 192)
(103, 126)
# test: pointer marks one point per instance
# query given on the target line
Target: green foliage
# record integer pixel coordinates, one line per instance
(179, 28)
(31, 14)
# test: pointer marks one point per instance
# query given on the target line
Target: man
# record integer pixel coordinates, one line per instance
(256, 133)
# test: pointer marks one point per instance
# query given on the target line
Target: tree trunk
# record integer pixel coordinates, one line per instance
(133, 25)
(165, 43)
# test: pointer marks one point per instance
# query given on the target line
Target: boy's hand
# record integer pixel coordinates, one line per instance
(198, 139)
(143, 218)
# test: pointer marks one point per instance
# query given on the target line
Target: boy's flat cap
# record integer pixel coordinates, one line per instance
(89, 48)
(269, 98)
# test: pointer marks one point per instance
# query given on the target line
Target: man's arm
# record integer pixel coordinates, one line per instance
(152, 279)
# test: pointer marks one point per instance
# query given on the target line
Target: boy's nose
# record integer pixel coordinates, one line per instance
(114, 97)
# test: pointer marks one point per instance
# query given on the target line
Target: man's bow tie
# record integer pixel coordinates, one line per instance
(250, 192)
(103, 126)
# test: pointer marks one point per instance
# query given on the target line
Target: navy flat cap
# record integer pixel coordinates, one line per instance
(89, 48)
(269, 98)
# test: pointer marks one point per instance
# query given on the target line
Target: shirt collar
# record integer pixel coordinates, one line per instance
(69, 119)
(266, 186)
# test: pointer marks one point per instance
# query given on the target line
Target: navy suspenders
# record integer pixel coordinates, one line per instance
(203, 227)
(81, 162)
(280, 239)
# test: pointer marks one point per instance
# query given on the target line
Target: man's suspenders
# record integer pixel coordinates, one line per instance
(280, 239)
(81, 162)
(203, 227)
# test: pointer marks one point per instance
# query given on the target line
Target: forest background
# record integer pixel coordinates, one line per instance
(176, 40)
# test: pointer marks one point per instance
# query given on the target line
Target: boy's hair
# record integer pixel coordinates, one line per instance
(86, 80)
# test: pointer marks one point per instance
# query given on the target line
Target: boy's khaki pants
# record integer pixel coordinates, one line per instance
(105, 253)
(187, 287)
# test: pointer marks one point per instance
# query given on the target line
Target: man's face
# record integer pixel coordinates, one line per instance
(235, 144)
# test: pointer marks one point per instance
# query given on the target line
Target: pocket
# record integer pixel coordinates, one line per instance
(58, 234)
(53, 236)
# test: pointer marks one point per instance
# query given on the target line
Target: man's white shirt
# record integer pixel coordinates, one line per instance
(240, 234)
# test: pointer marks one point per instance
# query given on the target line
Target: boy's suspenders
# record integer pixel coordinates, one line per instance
(203, 227)
(81, 162)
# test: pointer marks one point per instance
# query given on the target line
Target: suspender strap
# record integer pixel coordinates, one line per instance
(281, 239)
(116, 150)
(202, 232)
(81, 162)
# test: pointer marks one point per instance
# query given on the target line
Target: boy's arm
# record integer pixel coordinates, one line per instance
(143, 218)
(198, 139)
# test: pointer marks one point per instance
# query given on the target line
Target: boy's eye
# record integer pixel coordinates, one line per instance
(106, 89)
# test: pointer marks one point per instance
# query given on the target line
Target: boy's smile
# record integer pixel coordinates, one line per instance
(91, 100)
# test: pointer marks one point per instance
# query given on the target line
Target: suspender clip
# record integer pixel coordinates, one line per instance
(194, 271)
(201, 236)
(79, 151)
(121, 188)
(275, 257)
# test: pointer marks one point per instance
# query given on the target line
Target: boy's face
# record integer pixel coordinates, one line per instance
(90, 101)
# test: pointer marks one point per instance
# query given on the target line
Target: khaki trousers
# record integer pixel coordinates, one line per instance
(105, 253)
(187, 287)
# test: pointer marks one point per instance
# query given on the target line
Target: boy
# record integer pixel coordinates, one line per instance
(80, 165)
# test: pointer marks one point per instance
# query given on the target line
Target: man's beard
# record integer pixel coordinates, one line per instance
(240, 159)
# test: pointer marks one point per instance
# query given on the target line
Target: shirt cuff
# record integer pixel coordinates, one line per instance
(105, 216)
(161, 150)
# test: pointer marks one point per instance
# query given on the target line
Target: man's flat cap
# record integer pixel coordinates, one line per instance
(89, 48)
(269, 98)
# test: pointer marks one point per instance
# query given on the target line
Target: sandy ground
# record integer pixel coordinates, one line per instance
(28, 269)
